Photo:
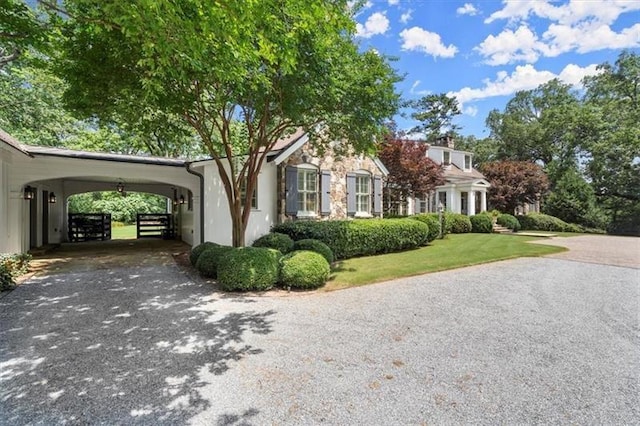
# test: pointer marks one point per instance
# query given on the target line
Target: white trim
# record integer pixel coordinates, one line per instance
(381, 166)
(291, 149)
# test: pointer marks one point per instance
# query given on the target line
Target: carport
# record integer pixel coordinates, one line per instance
(37, 181)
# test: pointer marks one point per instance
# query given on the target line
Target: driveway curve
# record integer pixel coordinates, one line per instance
(541, 340)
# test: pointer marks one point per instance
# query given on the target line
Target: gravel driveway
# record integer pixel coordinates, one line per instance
(540, 340)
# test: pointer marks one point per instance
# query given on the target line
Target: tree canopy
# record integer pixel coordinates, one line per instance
(514, 183)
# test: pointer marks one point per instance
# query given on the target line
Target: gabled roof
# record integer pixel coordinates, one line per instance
(12, 142)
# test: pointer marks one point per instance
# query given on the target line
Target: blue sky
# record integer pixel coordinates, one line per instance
(482, 52)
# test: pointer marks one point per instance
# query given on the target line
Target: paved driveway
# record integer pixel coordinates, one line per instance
(525, 341)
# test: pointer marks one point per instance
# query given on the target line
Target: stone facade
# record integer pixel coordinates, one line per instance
(338, 165)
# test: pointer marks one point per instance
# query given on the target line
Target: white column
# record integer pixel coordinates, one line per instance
(471, 202)
(483, 198)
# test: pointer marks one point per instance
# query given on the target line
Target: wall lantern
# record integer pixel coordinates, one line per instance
(181, 199)
(120, 187)
(28, 193)
(52, 198)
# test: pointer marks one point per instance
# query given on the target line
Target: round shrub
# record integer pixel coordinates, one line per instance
(197, 251)
(315, 246)
(207, 263)
(249, 269)
(542, 222)
(457, 223)
(508, 221)
(304, 269)
(432, 222)
(275, 240)
(481, 223)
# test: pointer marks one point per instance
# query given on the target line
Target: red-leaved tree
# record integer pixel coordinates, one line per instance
(411, 172)
(514, 183)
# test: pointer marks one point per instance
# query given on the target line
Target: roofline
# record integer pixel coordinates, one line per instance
(13, 143)
(381, 166)
(35, 151)
(293, 147)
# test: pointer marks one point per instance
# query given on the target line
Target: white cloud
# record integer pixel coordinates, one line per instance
(393, 2)
(414, 86)
(467, 9)
(375, 24)
(416, 38)
(406, 16)
(470, 110)
(510, 46)
(525, 77)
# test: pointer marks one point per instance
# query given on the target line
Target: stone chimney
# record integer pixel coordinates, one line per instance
(445, 141)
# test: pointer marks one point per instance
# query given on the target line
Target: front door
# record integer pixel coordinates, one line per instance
(45, 217)
(464, 202)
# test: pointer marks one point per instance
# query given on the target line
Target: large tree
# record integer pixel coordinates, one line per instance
(274, 66)
(435, 114)
(514, 183)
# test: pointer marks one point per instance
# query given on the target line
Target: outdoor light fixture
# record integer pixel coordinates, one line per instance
(28, 193)
(52, 198)
(181, 199)
(120, 187)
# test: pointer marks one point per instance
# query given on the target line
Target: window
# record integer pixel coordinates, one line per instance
(446, 157)
(307, 191)
(442, 199)
(467, 162)
(243, 194)
(363, 194)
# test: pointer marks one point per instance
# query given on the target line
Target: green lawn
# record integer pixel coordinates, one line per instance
(455, 251)
(123, 232)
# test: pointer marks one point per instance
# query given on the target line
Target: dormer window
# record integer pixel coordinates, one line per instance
(446, 157)
(467, 162)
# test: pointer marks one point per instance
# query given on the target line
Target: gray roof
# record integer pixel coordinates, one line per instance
(101, 156)
(454, 173)
(12, 142)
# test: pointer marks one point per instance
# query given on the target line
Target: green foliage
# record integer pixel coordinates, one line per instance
(209, 260)
(543, 222)
(457, 223)
(122, 209)
(304, 269)
(349, 238)
(315, 246)
(196, 251)
(432, 221)
(481, 223)
(435, 112)
(275, 240)
(12, 266)
(249, 269)
(20, 30)
(508, 221)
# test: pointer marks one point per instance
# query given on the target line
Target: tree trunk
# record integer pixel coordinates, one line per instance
(237, 226)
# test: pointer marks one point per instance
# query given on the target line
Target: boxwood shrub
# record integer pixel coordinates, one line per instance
(304, 269)
(508, 221)
(481, 223)
(275, 240)
(249, 269)
(457, 223)
(209, 259)
(316, 246)
(432, 221)
(197, 251)
(361, 237)
(543, 222)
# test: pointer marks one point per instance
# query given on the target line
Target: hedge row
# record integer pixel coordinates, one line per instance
(350, 238)
(432, 221)
(508, 221)
(544, 222)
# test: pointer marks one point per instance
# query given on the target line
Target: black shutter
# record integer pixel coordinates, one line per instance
(325, 192)
(377, 195)
(351, 193)
(291, 190)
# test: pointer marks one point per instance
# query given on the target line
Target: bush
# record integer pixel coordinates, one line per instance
(304, 269)
(209, 259)
(432, 221)
(12, 266)
(315, 246)
(481, 223)
(508, 221)
(457, 223)
(543, 222)
(249, 269)
(275, 240)
(197, 251)
(360, 237)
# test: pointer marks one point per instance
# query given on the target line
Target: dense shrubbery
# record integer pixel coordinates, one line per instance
(275, 240)
(197, 251)
(12, 266)
(482, 223)
(209, 259)
(508, 221)
(457, 223)
(316, 246)
(249, 269)
(543, 222)
(304, 269)
(432, 221)
(349, 238)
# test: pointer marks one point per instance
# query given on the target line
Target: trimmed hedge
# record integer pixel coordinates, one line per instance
(275, 240)
(197, 251)
(481, 223)
(304, 269)
(508, 221)
(249, 269)
(544, 222)
(316, 246)
(209, 259)
(432, 222)
(457, 223)
(360, 237)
